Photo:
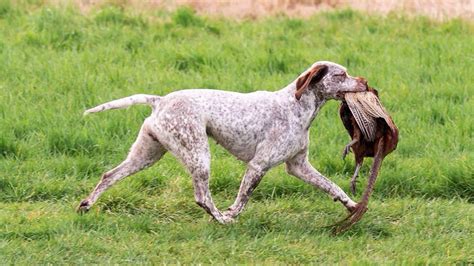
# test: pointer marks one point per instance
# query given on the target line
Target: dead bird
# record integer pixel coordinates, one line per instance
(373, 134)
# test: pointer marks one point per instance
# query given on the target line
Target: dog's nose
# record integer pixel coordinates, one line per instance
(362, 83)
(362, 80)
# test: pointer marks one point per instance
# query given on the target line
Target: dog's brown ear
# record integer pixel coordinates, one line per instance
(314, 75)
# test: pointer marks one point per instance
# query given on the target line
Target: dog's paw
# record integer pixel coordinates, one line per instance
(230, 213)
(227, 219)
(83, 207)
(351, 207)
(222, 218)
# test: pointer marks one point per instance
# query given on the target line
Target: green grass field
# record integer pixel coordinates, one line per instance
(56, 63)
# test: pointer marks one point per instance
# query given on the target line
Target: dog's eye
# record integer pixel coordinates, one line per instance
(340, 76)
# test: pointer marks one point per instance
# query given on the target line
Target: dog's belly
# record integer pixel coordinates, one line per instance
(240, 143)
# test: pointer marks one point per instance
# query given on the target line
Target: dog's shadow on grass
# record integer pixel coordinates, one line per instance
(296, 220)
(246, 227)
(374, 230)
(375, 227)
(262, 226)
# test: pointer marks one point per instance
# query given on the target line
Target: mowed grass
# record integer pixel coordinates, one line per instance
(56, 63)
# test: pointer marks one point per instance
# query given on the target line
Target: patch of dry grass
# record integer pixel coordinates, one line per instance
(251, 9)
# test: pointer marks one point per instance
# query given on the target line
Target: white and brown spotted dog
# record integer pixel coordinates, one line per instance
(261, 128)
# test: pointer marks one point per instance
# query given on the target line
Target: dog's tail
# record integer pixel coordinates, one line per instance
(147, 99)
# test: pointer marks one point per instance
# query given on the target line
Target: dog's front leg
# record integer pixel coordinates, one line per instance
(252, 177)
(300, 167)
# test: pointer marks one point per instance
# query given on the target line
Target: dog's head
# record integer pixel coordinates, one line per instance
(329, 80)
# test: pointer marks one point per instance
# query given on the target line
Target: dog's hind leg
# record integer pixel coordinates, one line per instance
(184, 135)
(144, 152)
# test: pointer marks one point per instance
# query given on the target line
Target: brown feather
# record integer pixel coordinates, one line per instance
(363, 115)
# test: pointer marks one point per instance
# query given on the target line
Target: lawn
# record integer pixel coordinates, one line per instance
(55, 63)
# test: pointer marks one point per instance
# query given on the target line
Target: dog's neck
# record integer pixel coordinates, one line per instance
(307, 107)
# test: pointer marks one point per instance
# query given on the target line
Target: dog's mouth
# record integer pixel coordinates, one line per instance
(340, 96)
(361, 87)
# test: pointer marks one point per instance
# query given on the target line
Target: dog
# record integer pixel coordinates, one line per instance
(262, 128)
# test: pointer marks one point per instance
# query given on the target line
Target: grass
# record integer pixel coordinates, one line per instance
(287, 230)
(55, 63)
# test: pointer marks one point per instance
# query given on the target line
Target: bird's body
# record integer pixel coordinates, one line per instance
(373, 134)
